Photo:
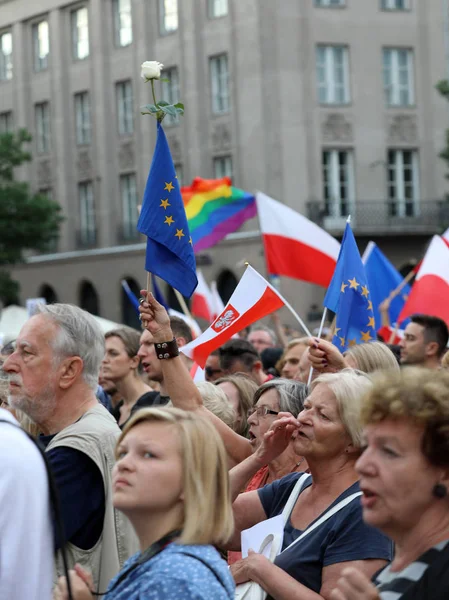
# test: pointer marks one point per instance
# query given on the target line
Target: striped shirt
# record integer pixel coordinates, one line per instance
(425, 578)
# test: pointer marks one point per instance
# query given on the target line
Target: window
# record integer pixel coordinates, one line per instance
(168, 13)
(88, 233)
(223, 167)
(125, 109)
(398, 76)
(219, 84)
(128, 192)
(338, 182)
(123, 29)
(395, 4)
(5, 56)
(332, 74)
(41, 46)
(179, 174)
(217, 8)
(170, 92)
(46, 192)
(6, 122)
(82, 119)
(403, 183)
(330, 2)
(42, 116)
(80, 33)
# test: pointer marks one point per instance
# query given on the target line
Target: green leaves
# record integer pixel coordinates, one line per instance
(163, 108)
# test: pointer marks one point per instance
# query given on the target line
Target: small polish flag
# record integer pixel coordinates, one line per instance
(390, 335)
(202, 300)
(294, 246)
(430, 292)
(217, 302)
(197, 373)
(253, 299)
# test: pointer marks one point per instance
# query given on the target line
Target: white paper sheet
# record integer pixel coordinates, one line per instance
(253, 538)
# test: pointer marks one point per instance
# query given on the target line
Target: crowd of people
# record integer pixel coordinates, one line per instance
(124, 477)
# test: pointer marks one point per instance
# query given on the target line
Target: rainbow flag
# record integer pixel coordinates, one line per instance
(215, 208)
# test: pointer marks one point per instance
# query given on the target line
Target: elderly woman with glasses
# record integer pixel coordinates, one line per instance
(328, 434)
(404, 477)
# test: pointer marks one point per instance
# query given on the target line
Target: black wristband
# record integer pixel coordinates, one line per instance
(166, 349)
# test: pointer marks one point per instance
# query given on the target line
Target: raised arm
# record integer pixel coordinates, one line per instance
(179, 384)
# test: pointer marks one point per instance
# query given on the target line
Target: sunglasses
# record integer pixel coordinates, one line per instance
(210, 372)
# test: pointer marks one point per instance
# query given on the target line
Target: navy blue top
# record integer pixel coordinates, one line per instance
(81, 493)
(174, 574)
(343, 537)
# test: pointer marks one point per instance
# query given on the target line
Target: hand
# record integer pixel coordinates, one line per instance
(245, 569)
(354, 585)
(155, 318)
(325, 357)
(277, 438)
(80, 589)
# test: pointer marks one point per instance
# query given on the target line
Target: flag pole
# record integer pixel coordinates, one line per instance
(402, 285)
(320, 331)
(183, 305)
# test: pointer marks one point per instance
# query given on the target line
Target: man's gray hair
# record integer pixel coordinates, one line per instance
(79, 335)
(262, 327)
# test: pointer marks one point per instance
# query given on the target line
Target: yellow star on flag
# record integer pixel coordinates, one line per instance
(164, 203)
(169, 186)
(352, 343)
(343, 287)
(179, 234)
(370, 305)
(366, 336)
(337, 329)
(169, 220)
(353, 284)
(371, 322)
(190, 241)
(342, 341)
(365, 291)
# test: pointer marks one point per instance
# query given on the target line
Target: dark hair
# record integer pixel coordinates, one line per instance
(180, 328)
(435, 330)
(235, 350)
(270, 358)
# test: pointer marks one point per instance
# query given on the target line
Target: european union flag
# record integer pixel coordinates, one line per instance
(348, 296)
(383, 278)
(163, 220)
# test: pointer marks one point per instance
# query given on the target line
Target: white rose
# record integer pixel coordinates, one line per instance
(151, 69)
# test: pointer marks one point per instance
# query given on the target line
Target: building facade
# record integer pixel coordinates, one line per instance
(327, 105)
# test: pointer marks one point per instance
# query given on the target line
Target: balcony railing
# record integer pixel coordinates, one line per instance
(383, 217)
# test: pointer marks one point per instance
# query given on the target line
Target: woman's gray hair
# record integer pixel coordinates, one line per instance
(78, 335)
(291, 394)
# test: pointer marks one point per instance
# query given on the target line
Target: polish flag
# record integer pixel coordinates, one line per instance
(197, 373)
(390, 335)
(202, 300)
(294, 246)
(253, 299)
(430, 292)
(217, 302)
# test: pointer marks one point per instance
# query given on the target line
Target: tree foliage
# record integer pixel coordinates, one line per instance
(28, 222)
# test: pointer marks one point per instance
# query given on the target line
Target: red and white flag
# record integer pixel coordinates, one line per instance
(294, 246)
(202, 300)
(430, 292)
(197, 373)
(253, 299)
(217, 302)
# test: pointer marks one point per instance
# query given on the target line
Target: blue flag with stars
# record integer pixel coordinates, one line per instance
(163, 220)
(348, 296)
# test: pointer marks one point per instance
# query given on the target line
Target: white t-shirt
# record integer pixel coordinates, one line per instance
(26, 535)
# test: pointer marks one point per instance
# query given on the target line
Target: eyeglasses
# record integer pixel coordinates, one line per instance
(261, 411)
(210, 372)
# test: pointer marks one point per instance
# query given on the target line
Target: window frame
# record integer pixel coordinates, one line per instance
(211, 12)
(163, 17)
(83, 126)
(332, 186)
(6, 60)
(6, 117)
(393, 90)
(216, 91)
(170, 92)
(398, 204)
(87, 214)
(384, 8)
(328, 84)
(327, 4)
(124, 116)
(223, 162)
(43, 129)
(117, 17)
(74, 32)
(40, 64)
(129, 211)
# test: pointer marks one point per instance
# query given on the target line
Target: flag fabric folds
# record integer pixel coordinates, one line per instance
(383, 278)
(294, 246)
(130, 295)
(202, 301)
(169, 253)
(430, 292)
(348, 296)
(215, 208)
(253, 299)
(218, 304)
